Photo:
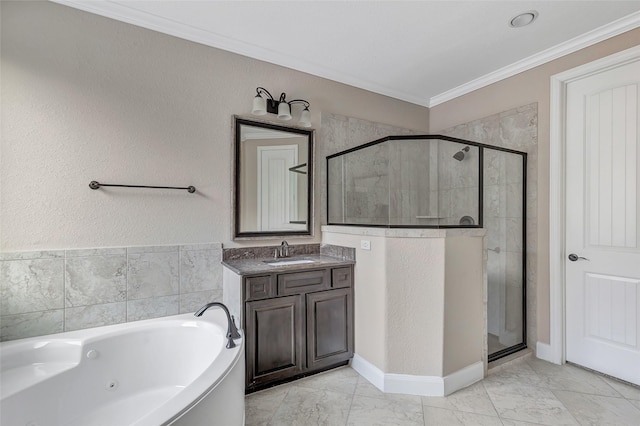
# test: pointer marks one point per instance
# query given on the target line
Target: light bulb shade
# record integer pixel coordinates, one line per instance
(284, 111)
(259, 106)
(305, 118)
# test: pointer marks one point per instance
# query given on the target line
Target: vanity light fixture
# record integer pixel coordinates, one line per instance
(523, 19)
(261, 106)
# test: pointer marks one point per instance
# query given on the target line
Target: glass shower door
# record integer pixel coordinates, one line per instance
(504, 219)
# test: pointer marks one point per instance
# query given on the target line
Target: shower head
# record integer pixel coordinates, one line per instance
(460, 154)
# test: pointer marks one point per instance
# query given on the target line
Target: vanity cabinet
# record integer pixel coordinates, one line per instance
(297, 323)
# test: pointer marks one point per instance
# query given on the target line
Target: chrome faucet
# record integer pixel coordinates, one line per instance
(232, 330)
(284, 249)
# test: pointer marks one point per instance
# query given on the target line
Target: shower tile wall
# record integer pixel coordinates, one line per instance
(413, 183)
(515, 129)
(338, 133)
(366, 190)
(400, 182)
(44, 292)
(458, 183)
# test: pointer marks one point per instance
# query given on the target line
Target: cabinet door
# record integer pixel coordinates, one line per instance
(275, 340)
(329, 327)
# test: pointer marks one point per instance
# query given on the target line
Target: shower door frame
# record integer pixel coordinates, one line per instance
(481, 147)
(523, 345)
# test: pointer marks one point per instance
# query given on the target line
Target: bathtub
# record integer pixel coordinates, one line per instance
(167, 371)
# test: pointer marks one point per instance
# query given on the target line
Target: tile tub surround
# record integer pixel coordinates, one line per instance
(45, 292)
(526, 391)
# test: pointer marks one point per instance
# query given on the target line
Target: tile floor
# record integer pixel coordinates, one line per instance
(526, 391)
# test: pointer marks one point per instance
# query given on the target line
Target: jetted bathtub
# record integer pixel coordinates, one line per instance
(166, 371)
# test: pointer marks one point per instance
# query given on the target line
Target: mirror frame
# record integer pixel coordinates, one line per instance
(237, 173)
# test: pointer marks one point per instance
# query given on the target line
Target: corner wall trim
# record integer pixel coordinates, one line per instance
(418, 385)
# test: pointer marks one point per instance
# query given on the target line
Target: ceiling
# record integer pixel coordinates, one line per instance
(423, 52)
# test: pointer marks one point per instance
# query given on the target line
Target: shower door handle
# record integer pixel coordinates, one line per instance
(574, 257)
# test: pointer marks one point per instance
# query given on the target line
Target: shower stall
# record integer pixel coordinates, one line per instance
(435, 181)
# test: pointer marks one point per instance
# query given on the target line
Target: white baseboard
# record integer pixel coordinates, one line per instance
(545, 352)
(414, 385)
(462, 378)
(373, 374)
(418, 385)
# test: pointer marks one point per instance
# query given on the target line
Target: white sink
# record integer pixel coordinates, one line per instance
(288, 262)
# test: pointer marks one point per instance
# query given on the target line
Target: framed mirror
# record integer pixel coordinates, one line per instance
(273, 180)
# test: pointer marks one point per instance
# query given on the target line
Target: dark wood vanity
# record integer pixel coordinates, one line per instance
(297, 320)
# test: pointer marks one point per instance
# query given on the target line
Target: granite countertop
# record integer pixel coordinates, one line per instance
(260, 266)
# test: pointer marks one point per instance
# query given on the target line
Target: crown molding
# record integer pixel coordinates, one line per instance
(612, 29)
(129, 15)
(124, 13)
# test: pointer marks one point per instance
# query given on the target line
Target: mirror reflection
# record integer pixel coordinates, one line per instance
(273, 179)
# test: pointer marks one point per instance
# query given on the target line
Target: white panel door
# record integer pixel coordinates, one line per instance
(602, 222)
(275, 196)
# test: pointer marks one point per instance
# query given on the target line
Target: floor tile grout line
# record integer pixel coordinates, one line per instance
(491, 400)
(603, 377)
(566, 408)
(279, 405)
(353, 395)
(590, 373)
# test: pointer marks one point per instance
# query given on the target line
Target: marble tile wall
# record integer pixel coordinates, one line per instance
(366, 189)
(45, 292)
(365, 198)
(515, 129)
(388, 183)
(412, 182)
(398, 182)
(458, 182)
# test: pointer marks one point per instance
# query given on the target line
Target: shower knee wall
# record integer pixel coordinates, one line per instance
(419, 307)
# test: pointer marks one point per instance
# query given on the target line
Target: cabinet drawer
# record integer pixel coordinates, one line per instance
(341, 277)
(259, 287)
(303, 282)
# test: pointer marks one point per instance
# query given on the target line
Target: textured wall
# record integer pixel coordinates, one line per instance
(414, 303)
(370, 296)
(415, 283)
(88, 98)
(464, 292)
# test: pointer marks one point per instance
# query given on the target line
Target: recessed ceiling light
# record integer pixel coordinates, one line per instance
(523, 19)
